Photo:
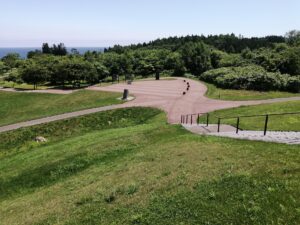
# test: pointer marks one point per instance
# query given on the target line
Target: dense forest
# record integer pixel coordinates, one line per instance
(228, 61)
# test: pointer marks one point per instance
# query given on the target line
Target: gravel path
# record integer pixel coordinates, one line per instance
(230, 131)
(164, 94)
(58, 117)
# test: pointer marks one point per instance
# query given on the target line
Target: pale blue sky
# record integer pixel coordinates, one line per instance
(29, 23)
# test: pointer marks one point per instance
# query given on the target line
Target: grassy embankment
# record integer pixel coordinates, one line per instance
(235, 95)
(17, 107)
(280, 122)
(129, 166)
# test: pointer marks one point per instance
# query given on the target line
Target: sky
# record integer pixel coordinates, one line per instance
(102, 23)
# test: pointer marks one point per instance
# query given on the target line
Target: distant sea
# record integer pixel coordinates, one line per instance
(23, 51)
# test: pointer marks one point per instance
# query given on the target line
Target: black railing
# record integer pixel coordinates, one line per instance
(188, 119)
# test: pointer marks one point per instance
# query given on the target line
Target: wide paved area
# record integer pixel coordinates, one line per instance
(168, 96)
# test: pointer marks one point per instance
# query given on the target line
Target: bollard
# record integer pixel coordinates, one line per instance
(125, 94)
(219, 122)
(157, 76)
(266, 125)
(207, 119)
(237, 125)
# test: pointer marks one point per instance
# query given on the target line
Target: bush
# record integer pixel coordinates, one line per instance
(250, 78)
(293, 84)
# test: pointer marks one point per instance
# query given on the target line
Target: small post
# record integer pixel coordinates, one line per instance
(191, 119)
(237, 125)
(187, 119)
(266, 125)
(198, 118)
(219, 122)
(157, 76)
(207, 119)
(125, 94)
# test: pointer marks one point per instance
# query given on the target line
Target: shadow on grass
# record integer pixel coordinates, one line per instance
(53, 172)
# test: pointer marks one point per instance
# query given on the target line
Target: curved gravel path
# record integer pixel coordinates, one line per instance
(164, 94)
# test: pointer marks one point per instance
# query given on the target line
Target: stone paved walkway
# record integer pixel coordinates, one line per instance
(271, 136)
(168, 96)
(230, 131)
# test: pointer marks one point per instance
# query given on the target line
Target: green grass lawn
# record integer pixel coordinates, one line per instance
(117, 168)
(279, 123)
(17, 107)
(229, 94)
(24, 86)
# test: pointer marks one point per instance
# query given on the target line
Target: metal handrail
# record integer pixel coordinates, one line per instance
(270, 114)
(185, 118)
(248, 116)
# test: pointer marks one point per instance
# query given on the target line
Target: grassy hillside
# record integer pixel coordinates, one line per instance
(276, 122)
(235, 95)
(16, 107)
(144, 171)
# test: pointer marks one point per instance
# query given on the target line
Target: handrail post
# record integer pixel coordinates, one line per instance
(219, 122)
(266, 125)
(187, 119)
(191, 119)
(198, 118)
(207, 119)
(237, 125)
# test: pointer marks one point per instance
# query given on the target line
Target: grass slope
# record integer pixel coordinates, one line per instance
(283, 123)
(235, 95)
(17, 107)
(145, 171)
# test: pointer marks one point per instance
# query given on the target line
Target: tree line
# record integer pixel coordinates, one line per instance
(266, 59)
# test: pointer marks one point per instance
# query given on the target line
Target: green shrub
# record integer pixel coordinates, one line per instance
(250, 78)
(293, 84)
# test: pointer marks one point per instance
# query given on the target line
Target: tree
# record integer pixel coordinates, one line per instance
(33, 54)
(59, 50)
(293, 37)
(74, 70)
(34, 73)
(291, 61)
(74, 51)
(102, 70)
(11, 60)
(46, 49)
(3, 68)
(13, 76)
(196, 57)
(174, 62)
(215, 58)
